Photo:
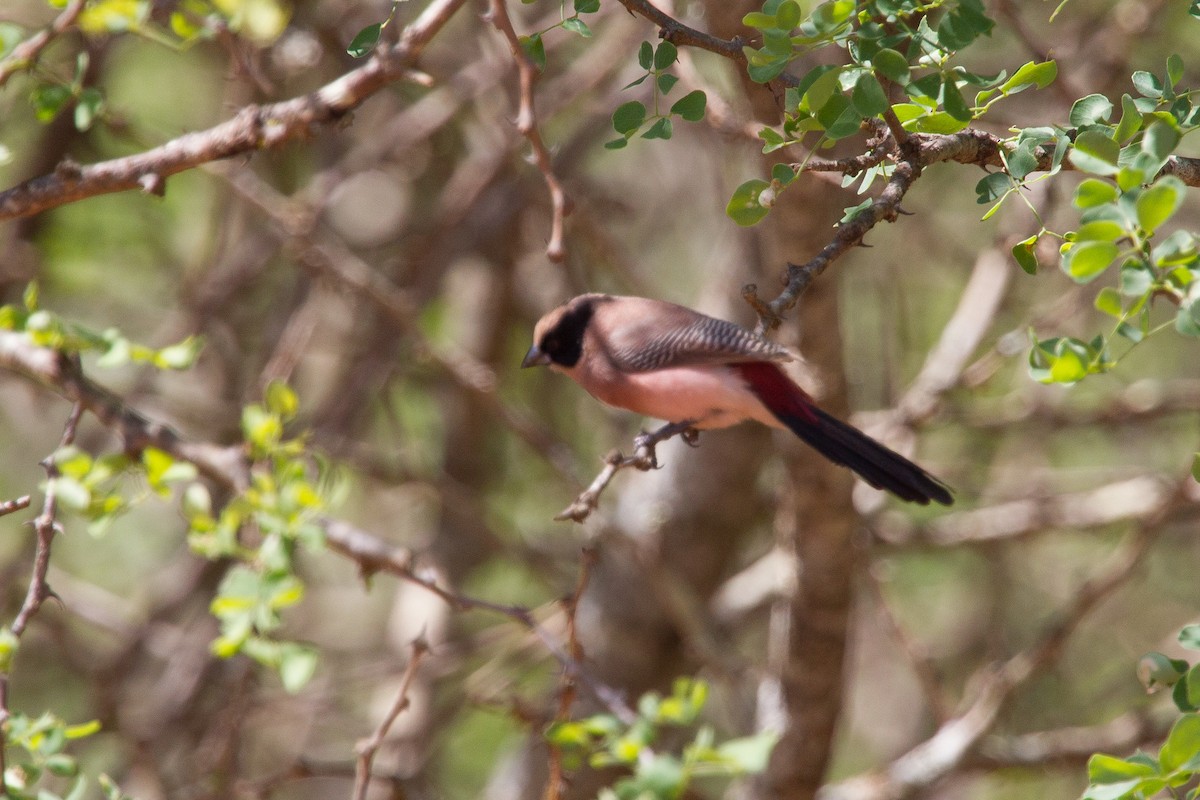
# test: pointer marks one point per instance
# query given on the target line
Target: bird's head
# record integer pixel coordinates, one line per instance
(558, 337)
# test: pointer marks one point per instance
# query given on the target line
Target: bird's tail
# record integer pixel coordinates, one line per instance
(840, 442)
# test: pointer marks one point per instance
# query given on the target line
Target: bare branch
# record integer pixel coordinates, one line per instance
(25, 54)
(369, 747)
(527, 124)
(256, 127)
(16, 504)
(643, 458)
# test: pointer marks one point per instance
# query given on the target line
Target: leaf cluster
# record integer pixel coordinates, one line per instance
(606, 741)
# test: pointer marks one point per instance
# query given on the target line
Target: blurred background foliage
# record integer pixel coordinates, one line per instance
(427, 186)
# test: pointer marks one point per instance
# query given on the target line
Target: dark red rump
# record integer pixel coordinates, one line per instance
(839, 442)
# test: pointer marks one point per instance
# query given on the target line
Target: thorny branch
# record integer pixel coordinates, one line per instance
(643, 458)
(527, 125)
(45, 526)
(369, 747)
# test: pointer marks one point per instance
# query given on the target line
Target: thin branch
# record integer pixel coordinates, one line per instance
(527, 125)
(849, 234)
(369, 747)
(45, 526)
(25, 54)
(255, 127)
(566, 695)
(17, 504)
(955, 741)
(643, 458)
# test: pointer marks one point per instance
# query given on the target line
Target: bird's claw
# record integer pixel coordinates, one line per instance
(691, 437)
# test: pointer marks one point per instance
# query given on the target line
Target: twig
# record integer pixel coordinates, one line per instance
(367, 748)
(566, 695)
(526, 123)
(45, 526)
(849, 234)
(9, 506)
(255, 127)
(25, 54)
(643, 458)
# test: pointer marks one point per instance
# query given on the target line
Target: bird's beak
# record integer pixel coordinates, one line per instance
(535, 358)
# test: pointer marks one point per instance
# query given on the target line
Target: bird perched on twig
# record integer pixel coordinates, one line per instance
(672, 363)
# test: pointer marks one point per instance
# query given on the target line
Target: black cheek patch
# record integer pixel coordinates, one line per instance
(564, 342)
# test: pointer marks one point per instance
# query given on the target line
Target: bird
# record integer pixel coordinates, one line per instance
(669, 362)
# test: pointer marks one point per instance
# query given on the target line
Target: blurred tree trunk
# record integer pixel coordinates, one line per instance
(811, 663)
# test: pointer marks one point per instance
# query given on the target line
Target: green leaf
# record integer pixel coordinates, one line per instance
(576, 25)
(645, 55)
(365, 40)
(749, 753)
(1095, 152)
(628, 117)
(868, 96)
(281, 400)
(1090, 110)
(1131, 120)
(1178, 249)
(181, 355)
(783, 174)
(534, 49)
(892, 65)
(787, 16)
(616, 144)
(954, 103)
(48, 100)
(1108, 301)
(87, 108)
(1174, 68)
(938, 122)
(1156, 671)
(1147, 84)
(839, 117)
(1094, 192)
(661, 129)
(666, 82)
(587, 6)
(1103, 769)
(297, 664)
(744, 207)
(1160, 140)
(1158, 203)
(1039, 74)
(691, 106)
(1084, 262)
(1023, 253)
(1104, 230)
(1183, 743)
(665, 55)
(993, 187)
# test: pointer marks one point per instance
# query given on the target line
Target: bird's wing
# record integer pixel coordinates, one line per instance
(674, 336)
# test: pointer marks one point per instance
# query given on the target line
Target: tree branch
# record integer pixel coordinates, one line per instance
(256, 127)
(527, 125)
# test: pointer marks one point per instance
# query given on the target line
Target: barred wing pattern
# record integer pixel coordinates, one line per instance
(690, 339)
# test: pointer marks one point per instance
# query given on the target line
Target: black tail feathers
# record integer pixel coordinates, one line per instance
(877, 465)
